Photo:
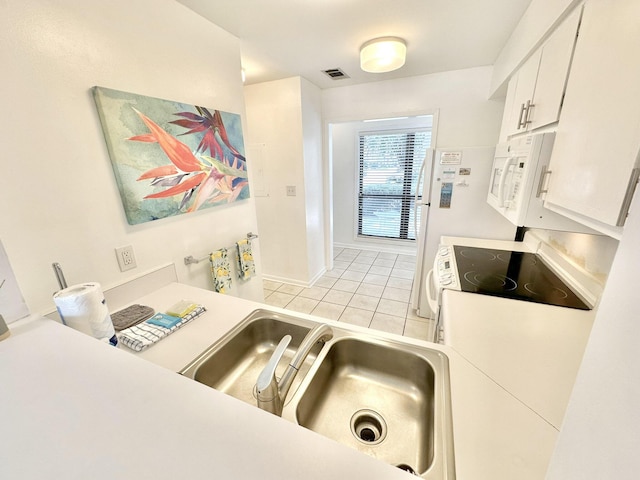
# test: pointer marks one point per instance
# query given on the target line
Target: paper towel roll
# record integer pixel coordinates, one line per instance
(83, 308)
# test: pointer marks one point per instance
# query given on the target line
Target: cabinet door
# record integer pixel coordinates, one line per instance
(598, 137)
(553, 72)
(509, 109)
(525, 86)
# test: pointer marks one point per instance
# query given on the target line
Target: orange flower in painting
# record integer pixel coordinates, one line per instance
(207, 179)
(179, 154)
(164, 171)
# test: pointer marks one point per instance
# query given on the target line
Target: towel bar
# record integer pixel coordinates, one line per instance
(190, 260)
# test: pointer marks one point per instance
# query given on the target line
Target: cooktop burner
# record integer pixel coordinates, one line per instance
(517, 275)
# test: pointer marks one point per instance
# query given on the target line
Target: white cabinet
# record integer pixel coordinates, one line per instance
(523, 84)
(535, 92)
(595, 157)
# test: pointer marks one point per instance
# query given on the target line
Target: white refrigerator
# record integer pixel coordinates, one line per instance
(453, 194)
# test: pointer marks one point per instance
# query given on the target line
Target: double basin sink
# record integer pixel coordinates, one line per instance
(385, 398)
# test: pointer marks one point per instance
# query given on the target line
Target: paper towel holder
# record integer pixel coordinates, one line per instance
(59, 275)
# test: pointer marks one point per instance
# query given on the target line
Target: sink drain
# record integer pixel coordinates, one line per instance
(368, 426)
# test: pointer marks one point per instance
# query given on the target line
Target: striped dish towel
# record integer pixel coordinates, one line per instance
(246, 265)
(144, 334)
(220, 270)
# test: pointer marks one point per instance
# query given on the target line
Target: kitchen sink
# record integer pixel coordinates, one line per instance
(233, 364)
(376, 398)
(386, 398)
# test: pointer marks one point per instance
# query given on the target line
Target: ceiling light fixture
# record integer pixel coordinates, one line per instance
(383, 54)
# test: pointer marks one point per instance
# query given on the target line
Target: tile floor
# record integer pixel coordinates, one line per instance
(366, 288)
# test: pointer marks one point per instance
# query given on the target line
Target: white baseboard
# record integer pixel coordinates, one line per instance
(290, 281)
(372, 245)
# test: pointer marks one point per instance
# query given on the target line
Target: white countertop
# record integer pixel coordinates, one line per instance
(78, 408)
(532, 350)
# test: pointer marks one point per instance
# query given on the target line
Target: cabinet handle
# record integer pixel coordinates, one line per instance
(525, 110)
(528, 110)
(628, 196)
(543, 173)
(521, 123)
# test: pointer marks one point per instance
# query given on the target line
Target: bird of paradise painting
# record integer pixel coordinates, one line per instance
(171, 158)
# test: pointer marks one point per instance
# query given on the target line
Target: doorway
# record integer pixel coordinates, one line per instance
(365, 194)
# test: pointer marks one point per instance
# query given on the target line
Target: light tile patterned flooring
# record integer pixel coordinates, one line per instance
(366, 288)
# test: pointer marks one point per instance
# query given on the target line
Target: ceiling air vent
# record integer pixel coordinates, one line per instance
(335, 73)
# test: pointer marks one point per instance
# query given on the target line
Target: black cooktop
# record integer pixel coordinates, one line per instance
(517, 275)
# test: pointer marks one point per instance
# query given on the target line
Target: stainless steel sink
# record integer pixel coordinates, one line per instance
(232, 365)
(376, 398)
(383, 397)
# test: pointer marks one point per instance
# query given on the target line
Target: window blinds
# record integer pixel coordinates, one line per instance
(389, 164)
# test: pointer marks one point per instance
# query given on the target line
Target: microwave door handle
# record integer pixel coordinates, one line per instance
(544, 172)
(503, 180)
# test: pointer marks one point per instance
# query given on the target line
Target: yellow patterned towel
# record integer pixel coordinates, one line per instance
(246, 265)
(220, 270)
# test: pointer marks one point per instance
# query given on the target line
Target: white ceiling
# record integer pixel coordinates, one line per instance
(285, 38)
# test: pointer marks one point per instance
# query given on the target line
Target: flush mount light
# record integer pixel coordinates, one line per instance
(383, 54)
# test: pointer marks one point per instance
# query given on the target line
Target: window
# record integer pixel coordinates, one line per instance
(389, 165)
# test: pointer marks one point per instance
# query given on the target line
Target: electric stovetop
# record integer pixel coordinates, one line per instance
(516, 275)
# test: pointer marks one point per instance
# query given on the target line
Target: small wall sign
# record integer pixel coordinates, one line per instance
(450, 158)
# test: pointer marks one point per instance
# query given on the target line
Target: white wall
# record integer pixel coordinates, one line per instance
(313, 180)
(58, 197)
(466, 118)
(343, 160)
(594, 253)
(283, 121)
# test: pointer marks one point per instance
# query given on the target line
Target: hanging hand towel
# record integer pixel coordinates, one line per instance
(220, 270)
(246, 266)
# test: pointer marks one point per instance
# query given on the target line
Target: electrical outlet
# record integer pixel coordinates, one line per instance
(291, 190)
(126, 258)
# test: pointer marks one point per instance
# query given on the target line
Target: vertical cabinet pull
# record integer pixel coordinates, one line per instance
(521, 117)
(525, 111)
(526, 117)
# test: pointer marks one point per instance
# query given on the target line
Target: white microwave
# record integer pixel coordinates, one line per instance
(517, 184)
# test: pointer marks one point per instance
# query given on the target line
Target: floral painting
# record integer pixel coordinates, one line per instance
(169, 157)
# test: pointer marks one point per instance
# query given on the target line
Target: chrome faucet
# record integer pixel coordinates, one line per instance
(271, 394)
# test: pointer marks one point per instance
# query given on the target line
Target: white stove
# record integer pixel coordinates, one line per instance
(526, 271)
(533, 350)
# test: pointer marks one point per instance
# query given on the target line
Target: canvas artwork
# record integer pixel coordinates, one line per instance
(171, 158)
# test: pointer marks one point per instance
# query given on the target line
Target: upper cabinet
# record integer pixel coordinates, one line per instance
(595, 157)
(535, 92)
